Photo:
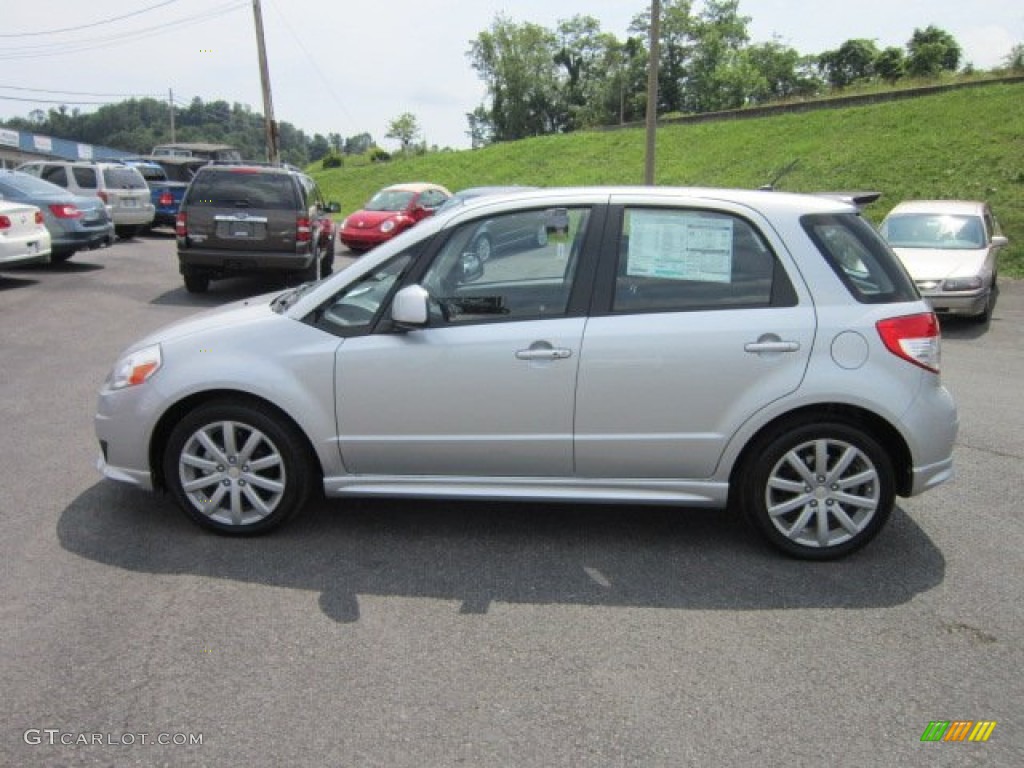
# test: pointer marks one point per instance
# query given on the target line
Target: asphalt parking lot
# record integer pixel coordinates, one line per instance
(385, 633)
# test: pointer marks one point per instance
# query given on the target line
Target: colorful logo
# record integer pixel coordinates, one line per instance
(958, 730)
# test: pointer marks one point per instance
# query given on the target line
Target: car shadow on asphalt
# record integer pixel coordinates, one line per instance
(9, 282)
(478, 554)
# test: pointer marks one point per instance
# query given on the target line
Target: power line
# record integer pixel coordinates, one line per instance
(93, 24)
(51, 101)
(81, 93)
(60, 49)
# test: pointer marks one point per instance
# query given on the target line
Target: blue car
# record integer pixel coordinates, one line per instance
(74, 223)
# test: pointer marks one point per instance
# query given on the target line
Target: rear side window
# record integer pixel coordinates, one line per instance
(123, 178)
(56, 174)
(243, 189)
(861, 259)
(84, 177)
(676, 260)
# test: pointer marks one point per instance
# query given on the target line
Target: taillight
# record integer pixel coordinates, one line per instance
(303, 231)
(5, 223)
(66, 211)
(166, 199)
(39, 217)
(915, 338)
(181, 224)
(102, 195)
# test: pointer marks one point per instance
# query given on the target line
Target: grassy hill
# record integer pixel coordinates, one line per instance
(960, 144)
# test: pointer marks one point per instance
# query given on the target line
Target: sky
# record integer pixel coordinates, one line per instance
(353, 67)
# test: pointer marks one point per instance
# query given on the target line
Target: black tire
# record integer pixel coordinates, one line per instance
(986, 314)
(59, 257)
(327, 266)
(210, 467)
(196, 282)
(850, 499)
(125, 232)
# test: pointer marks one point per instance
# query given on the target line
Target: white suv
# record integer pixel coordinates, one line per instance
(120, 186)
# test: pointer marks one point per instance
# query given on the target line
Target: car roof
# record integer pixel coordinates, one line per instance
(962, 207)
(416, 186)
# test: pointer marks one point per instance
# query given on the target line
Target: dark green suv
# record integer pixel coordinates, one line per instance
(250, 218)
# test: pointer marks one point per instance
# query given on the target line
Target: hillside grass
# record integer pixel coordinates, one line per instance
(965, 144)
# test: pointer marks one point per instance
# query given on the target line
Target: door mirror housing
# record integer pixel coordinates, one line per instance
(410, 308)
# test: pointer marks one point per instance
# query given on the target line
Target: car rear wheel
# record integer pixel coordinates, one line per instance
(125, 232)
(59, 257)
(818, 491)
(236, 468)
(196, 282)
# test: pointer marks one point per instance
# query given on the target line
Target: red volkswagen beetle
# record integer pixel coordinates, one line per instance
(392, 210)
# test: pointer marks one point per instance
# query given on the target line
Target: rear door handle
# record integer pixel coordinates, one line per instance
(542, 350)
(769, 343)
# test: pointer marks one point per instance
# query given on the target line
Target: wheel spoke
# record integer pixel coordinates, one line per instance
(821, 457)
(228, 431)
(256, 501)
(785, 507)
(212, 504)
(848, 457)
(236, 505)
(800, 525)
(203, 465)
(861, 478)
(822, 528)
(265, 483)
(201, 482)
(250, 446)
(797, 463)
(266, 462)
(864, 502)
(844, 520)
(786, 486)
(207, 442)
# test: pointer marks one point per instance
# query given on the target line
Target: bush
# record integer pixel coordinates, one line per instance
(378, 155)
(333, 160)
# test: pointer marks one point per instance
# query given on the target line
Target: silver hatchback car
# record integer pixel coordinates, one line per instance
(693, 347)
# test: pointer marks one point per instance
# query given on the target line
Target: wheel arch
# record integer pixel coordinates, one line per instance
(174, 414)
(887, 436)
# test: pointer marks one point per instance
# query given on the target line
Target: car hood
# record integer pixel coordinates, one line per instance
(369, 219)
(238, 313)
(938, 264)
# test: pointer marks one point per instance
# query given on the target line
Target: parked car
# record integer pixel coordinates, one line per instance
(511, 233)
(119, 186)
(244, 219)
(164, 194)
(75, 223)
(390, 212)
(199, 150)
(23, 235)
(673, 346)
(951, 249)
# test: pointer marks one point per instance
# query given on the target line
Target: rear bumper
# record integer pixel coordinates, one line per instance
(216, 261)
(132, 217)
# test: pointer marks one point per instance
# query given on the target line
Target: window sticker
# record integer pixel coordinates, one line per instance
(680, 247)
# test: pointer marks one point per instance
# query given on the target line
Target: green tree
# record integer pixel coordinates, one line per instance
(517, 64)
(891, 64)
(404, 129)
(676, 46)
(931, 51)
(718, 73)
(854, 60)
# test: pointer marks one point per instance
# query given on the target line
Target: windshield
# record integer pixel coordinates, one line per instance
(390, 200)
(934, 230)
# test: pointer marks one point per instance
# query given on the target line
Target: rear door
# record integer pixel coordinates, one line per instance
(697, 327)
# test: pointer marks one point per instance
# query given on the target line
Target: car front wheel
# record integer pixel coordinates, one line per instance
(819, 491)
(237, 468)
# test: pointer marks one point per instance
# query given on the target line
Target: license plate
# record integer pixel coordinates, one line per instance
(130, 203)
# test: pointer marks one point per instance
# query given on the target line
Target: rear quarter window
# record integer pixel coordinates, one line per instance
(860, 258)
(85, 178)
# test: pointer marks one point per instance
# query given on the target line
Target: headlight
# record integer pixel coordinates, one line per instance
(962, 284)
(136, 368)
(387, 226)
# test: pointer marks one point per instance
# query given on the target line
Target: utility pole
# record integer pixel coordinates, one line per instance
(273, 155)
(170, 103)
(652, 91)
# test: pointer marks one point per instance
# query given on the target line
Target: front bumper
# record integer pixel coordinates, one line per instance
(965, 303)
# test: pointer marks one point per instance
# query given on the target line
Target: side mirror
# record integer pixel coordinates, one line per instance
(410, 307)
(1000, 241)
(333, 208)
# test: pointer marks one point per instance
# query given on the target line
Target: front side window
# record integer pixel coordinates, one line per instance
(507, 267)
(353, 311)
(674, 260)
(56, 174)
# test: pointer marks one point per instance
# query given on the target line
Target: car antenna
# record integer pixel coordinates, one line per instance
(778, 177)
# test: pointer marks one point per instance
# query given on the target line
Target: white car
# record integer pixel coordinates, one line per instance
(950, 248)
(24, 238)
